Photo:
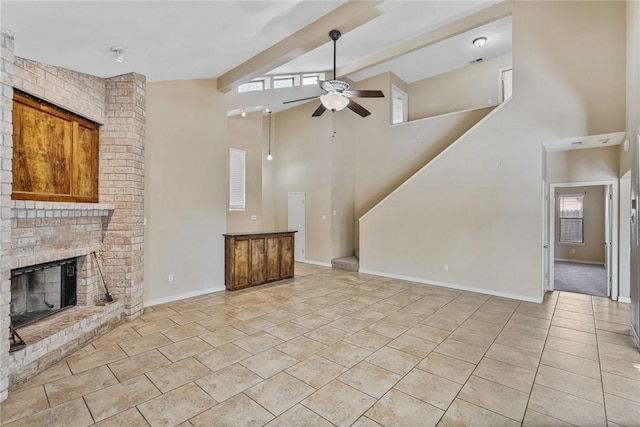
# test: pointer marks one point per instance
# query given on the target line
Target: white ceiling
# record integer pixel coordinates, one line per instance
(173, 40)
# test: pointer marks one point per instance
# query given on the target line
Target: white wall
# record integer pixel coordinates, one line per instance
(472, 86)
(478, 207)
(185, 189)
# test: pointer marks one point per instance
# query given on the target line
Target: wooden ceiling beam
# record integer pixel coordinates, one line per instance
(348, 16)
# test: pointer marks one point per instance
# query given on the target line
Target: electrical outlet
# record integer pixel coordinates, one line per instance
(170, 278)
(254, 217)
(446, 267)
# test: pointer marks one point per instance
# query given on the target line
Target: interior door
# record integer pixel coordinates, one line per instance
(295, 219)
(608, 231)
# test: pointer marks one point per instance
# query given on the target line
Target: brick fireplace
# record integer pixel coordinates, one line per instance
(33, 233)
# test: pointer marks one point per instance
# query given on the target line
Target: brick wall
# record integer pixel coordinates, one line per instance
(37, 232)
(121, 184)
(6, 144)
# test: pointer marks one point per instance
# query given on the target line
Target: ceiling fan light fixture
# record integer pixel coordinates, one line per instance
(118, 53)
(479, 41)
(334, 101)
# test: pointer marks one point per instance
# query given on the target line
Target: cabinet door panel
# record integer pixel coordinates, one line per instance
(273, 258)
(240, 263)
(258, 267)
(286, 256)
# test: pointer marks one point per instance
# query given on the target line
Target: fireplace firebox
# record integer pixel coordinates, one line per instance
(41, 290)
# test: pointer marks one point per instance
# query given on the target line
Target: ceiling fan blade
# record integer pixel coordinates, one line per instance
(366, 93)
(321, 109)
(358, 109)
(301, 99)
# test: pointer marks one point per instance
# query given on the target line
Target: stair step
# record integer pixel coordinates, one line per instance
(349, 263)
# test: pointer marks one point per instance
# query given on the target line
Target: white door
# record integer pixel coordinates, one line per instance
(296, 222)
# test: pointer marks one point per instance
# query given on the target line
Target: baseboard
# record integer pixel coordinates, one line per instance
(455, 286)
(626, 300)
(319, 263)
(579, 261)
(186, 295)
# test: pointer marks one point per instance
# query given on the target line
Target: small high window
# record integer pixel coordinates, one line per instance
(283, 81)
(237, 179)
(310, 79)
(257, 84)
(571, 218)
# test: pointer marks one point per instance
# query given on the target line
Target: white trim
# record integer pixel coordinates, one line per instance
(579, 261)
(438, 157)
(614, 214)
(455, 286)
(172, 298)
(320, 263)
(439, 116)
(625, 300)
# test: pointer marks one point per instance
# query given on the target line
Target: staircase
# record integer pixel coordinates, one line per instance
(349, 263)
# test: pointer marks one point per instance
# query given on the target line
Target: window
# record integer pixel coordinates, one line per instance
(284, 81)
(236, 179)
(257, 84)
(399, 106)
(55, 153)
(310, 79)
(571, 218)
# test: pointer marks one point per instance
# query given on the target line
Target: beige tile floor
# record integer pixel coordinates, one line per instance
(336, 348)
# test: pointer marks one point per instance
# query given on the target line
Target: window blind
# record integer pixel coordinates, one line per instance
(236, 179)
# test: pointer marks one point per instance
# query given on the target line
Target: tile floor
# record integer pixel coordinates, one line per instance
(337, 348)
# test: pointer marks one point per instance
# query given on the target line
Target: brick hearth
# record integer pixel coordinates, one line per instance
(38, 232)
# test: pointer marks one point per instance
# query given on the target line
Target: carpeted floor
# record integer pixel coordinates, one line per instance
(590, 279)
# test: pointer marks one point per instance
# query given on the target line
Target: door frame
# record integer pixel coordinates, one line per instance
(300, 236)
(613, 184)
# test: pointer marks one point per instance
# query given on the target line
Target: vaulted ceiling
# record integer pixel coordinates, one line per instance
(235, 41)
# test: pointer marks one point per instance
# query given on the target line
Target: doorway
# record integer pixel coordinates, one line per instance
(296, 221)
(582, 239)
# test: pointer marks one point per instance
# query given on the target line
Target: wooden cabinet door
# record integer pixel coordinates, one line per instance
(240, 264)
(286, 256)
(273, 258)
(258, 262)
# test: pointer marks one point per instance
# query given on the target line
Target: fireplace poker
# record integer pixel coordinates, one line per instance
(107, 294)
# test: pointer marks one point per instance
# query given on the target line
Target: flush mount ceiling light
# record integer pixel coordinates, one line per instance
(479, 41)
(334, 101)
(118, 53)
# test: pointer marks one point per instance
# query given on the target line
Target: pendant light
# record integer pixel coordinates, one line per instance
(269, 156)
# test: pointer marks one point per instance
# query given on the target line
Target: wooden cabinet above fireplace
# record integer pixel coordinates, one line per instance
(55, 153)
(255, 258)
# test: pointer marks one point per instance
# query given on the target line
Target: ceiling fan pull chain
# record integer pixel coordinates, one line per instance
(333, 121)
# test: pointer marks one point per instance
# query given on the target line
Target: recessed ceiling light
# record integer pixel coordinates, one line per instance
(604, 140)
(576, 143)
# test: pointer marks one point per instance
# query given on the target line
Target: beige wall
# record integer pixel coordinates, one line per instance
(632, 123)
(478, 207)
(246, 133)
(591, 164)
(303, 164)
(594, 204)
(473, 86)
(185, 189)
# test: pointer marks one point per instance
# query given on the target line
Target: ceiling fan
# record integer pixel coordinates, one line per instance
(337, 95)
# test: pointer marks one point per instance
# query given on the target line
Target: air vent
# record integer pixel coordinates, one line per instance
(475, 61)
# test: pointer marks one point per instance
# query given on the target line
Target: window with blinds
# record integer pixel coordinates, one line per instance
(237, 179)
(571, 218)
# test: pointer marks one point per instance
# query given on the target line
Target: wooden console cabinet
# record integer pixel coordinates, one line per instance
(252, 259)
